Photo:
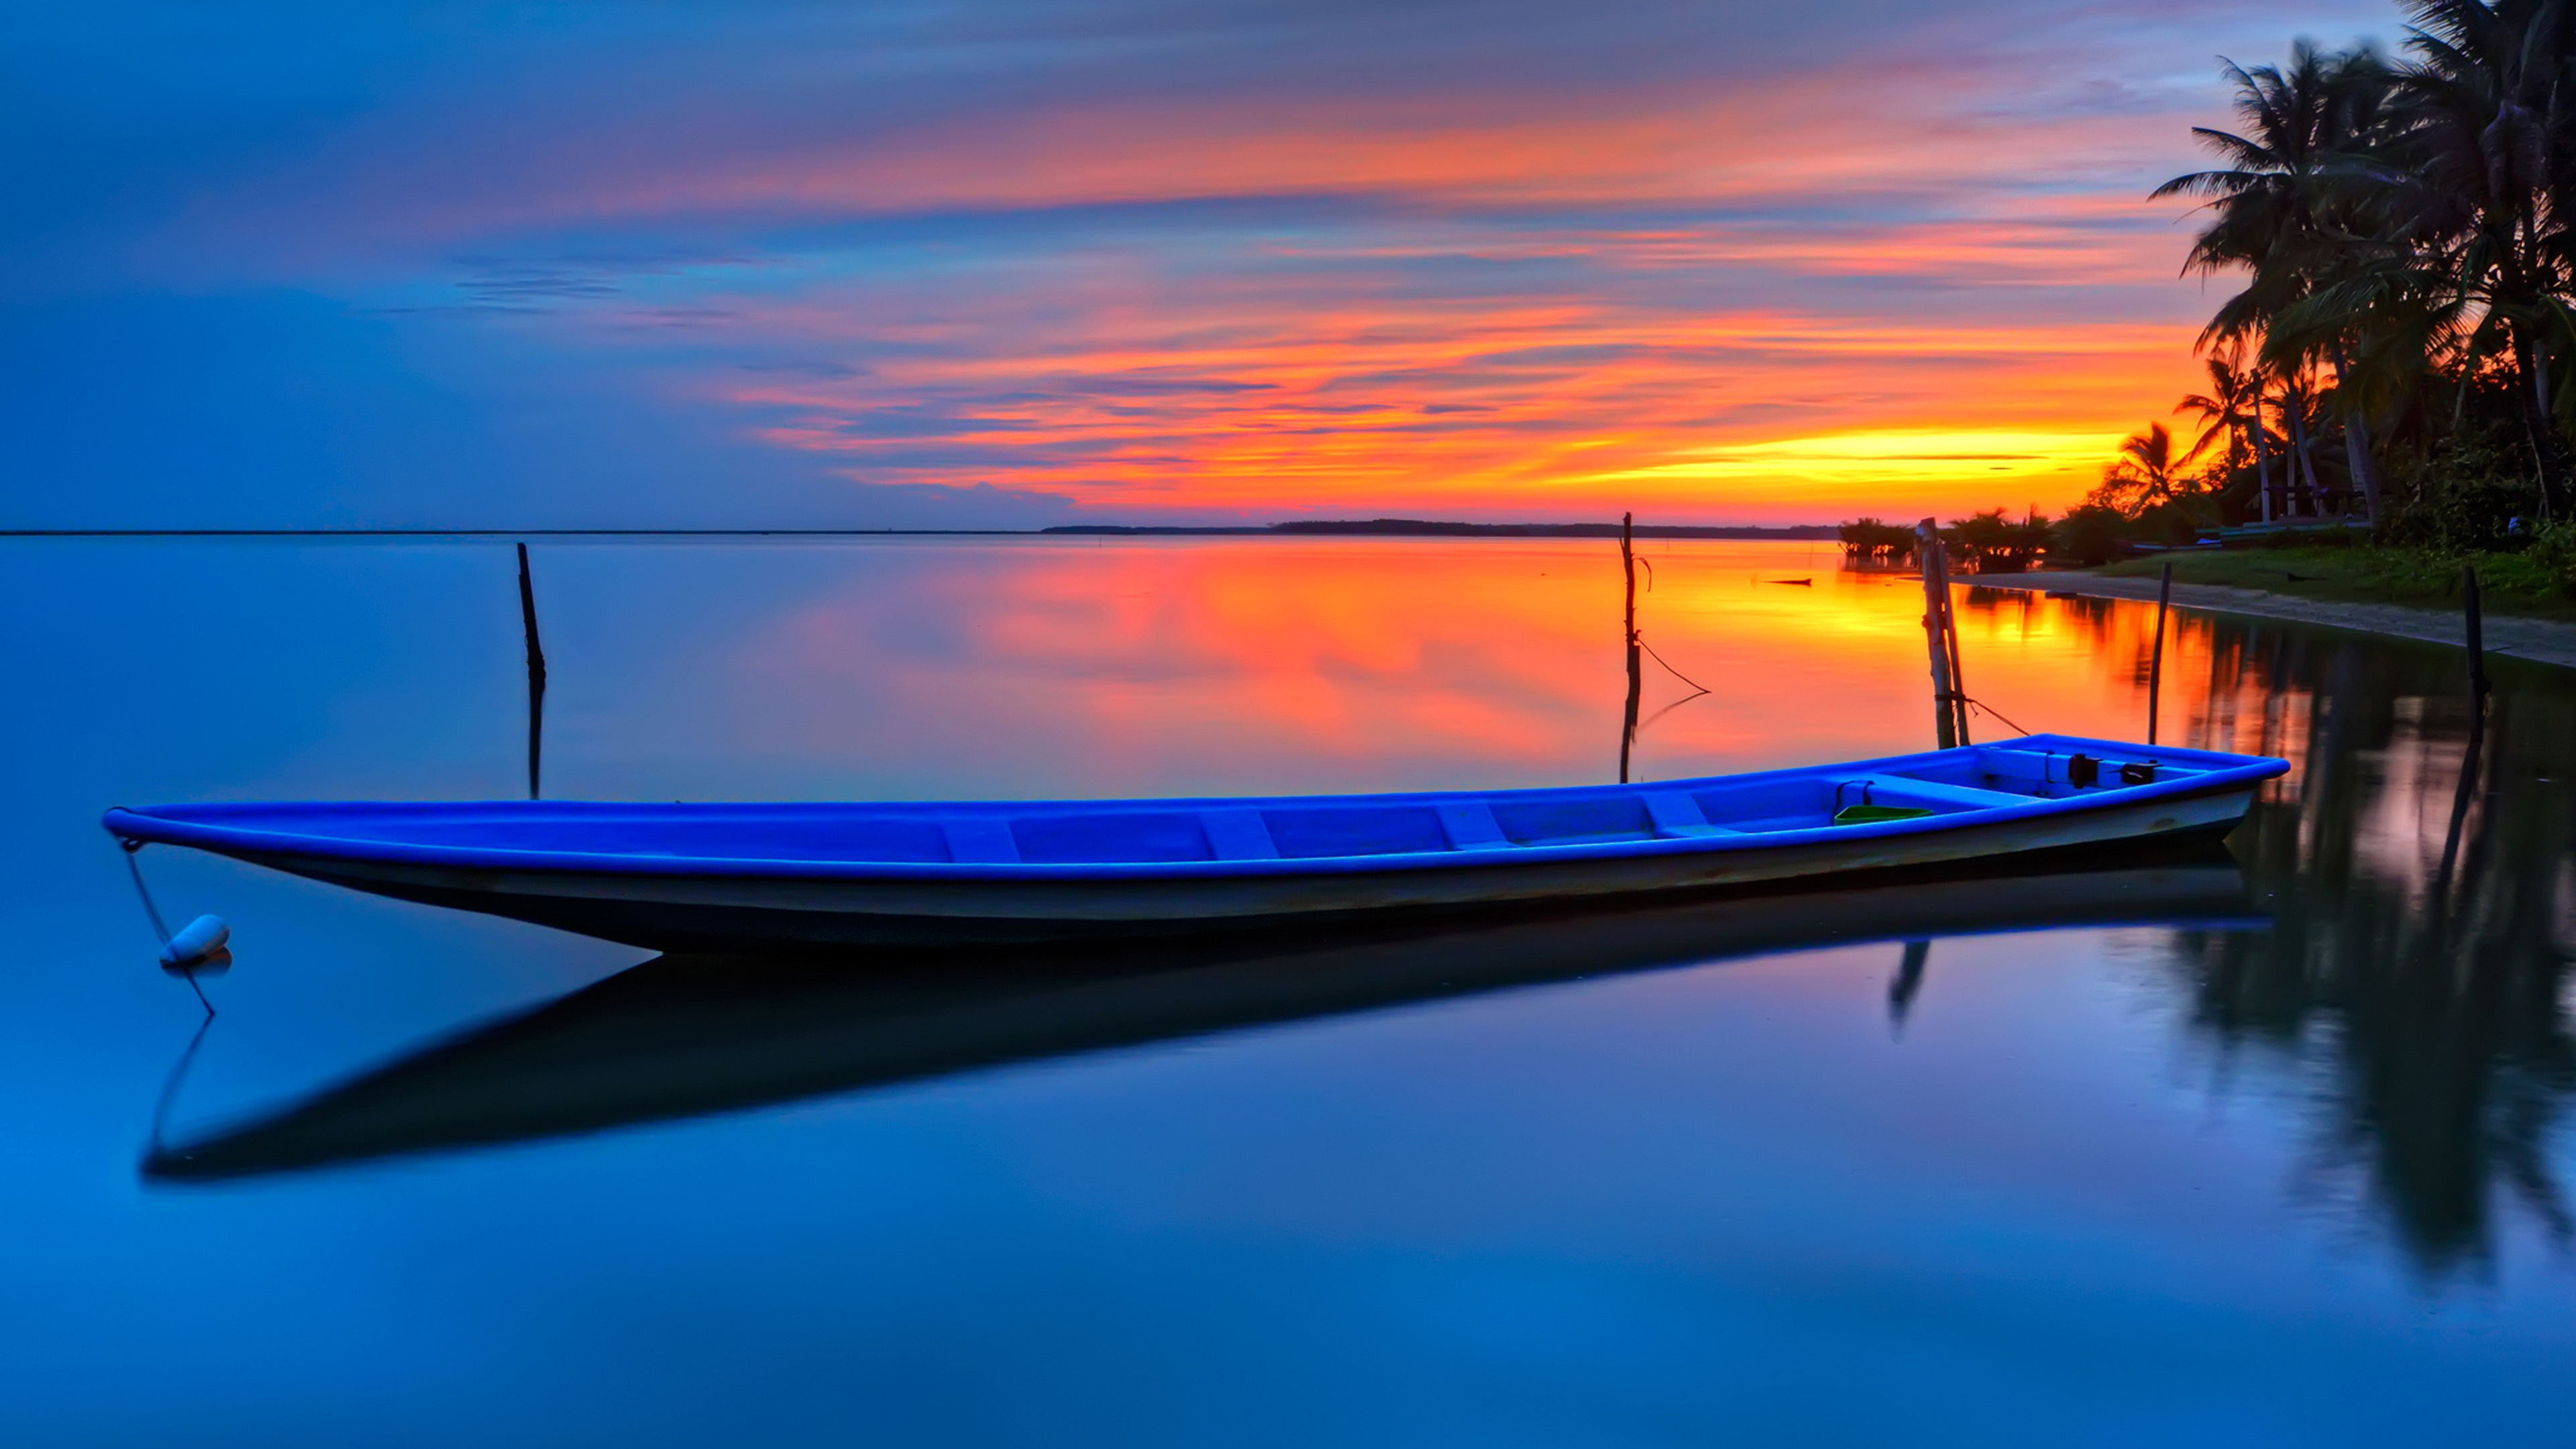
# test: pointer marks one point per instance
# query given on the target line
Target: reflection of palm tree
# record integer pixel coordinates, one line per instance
(2451, 1053)
(2146, 472)
(2433, 1011)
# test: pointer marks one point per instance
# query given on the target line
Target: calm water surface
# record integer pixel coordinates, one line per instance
(2184, 1158)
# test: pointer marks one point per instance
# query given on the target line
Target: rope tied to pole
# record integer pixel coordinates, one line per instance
(1668, 666)
(1975, 703)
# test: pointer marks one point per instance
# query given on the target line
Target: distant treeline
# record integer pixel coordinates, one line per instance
(1988, 543)
(1435, 528)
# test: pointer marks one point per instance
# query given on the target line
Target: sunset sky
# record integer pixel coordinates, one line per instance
(1006, 265)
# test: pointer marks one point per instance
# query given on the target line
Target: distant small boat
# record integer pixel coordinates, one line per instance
(728, 876)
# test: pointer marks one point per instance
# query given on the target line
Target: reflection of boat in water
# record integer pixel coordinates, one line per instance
(684, 1036)
(723, 877)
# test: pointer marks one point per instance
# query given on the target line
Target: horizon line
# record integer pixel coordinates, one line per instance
(1286, 528)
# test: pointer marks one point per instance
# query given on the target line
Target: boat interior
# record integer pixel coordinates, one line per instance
(1950, 782)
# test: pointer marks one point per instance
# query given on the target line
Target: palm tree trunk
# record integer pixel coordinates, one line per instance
(2262, 454)
(2356, 443)
(2533, 360)
(2297, 407)
(2356, 452)
(2546, 422)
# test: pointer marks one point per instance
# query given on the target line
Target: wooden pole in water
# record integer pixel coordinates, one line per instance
(2477, 638)
(1628, 634)
(1628, 574)
(1936, 614)
(536, 671)
(2156, 657)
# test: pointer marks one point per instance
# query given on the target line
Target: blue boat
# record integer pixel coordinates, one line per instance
(696, 877)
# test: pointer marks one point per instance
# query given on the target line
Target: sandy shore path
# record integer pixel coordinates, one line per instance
(2547, 641)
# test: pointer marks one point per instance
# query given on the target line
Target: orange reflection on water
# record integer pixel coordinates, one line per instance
(1147, 666)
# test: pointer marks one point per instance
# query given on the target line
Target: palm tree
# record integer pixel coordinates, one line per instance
(2287, 205)
(2487, 121)
(2144, 474)
(2261, 200)
(2403, 231)
(2233, 409)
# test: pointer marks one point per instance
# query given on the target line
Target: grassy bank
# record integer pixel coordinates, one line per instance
(2510, 583)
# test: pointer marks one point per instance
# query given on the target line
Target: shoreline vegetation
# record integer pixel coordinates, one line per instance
(2508, 583)
(2542, 640)
(2330, 566)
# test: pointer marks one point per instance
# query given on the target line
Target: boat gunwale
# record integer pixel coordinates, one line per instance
(2212, 772)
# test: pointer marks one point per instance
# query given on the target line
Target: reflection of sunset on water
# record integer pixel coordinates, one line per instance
(1148, 665)
(2348, 1090)
(2417, 931)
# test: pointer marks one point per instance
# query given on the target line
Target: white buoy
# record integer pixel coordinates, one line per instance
(200, 940)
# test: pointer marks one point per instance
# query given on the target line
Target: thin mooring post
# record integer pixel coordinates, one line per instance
(536, 671)
(2477, 638)
(1628, 633)
(1936, 633)
(2156, 656)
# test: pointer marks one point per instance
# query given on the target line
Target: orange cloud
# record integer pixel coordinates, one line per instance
(1561, 409)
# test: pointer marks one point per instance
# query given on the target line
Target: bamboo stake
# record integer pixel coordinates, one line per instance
(1628, 632)
(1950, 636)
(1936, 611)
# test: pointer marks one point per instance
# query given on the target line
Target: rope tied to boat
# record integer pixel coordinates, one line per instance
(196, 949)
(201, 947)
(134, 848)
